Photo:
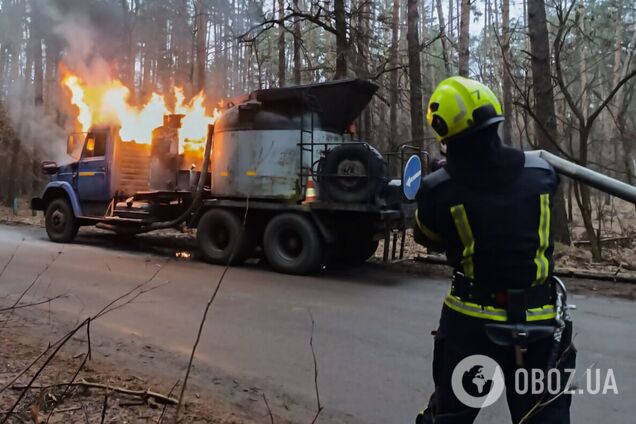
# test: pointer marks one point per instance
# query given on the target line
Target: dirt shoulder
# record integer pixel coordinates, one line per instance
(51, 399)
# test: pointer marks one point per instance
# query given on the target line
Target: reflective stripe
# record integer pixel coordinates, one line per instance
(466, 236)
(540, 260)
(542, 313)
(430, 234)
(475, 310)
(496, 314)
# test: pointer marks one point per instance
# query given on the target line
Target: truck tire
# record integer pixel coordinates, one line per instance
(353, 160)
(293, 245)
(222, 239)
(60, 222)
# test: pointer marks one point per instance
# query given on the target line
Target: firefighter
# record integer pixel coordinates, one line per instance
(489, 209)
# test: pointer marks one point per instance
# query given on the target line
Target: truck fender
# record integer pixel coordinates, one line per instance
(53, 190)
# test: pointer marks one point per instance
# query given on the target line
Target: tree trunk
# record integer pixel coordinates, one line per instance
(362, 41)
(628, 144)
(181, 43)
(544, 105)
(582, 48)
(442, 30)
(393, 63)
(507, 84)
(282, 65)
(585, 200)
(38, 98)
(341, 39)
(13, 190)
(464, 39)
(415, 74)
(201, 47)
(451, 21)
(297, 38)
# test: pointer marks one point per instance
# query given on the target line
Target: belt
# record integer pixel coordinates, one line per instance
(530, 297)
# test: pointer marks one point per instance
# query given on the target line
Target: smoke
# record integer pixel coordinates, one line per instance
(87, 37)
(36, 127)
(91, 34)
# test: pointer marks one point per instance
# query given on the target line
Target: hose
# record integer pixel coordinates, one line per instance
(587, 176)
(196, 201)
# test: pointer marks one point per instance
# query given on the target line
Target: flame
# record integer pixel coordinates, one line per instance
(109, 103)
(194, 124)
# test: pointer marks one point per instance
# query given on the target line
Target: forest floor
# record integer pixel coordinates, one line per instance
(50, 400)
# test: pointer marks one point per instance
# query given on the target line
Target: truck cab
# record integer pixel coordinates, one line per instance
(101, 170)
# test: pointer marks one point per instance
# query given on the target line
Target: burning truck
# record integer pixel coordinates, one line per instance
(275, 175)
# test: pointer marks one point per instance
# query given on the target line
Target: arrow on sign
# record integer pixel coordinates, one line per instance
(413, 178)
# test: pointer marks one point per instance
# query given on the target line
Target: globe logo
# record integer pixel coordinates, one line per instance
(478, 381)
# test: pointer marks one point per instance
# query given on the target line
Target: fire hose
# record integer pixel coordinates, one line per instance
(587, 176)
(196, 200)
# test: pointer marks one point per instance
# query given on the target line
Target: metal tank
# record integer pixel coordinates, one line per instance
(266, 145)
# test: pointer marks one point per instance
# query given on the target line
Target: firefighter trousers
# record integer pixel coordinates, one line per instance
(460, 336)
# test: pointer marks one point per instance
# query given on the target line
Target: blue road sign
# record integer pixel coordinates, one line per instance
(412, 177)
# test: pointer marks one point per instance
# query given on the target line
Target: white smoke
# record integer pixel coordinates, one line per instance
(39, 127)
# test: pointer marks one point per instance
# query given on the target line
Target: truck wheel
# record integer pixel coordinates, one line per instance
(60, 222)
(221, 237)
(293, 245)
(354, 173)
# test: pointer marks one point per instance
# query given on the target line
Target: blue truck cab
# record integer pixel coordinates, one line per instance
(80, 192)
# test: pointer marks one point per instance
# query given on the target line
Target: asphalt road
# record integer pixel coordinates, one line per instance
(372, 328)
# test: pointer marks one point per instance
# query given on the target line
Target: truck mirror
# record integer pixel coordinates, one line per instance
(49, 167)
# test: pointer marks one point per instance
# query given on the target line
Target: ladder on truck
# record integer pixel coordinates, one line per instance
(308, 104)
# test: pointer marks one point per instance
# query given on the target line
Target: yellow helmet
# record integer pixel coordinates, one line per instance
(459, 105)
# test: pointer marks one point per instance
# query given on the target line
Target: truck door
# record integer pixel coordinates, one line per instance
(93, 175)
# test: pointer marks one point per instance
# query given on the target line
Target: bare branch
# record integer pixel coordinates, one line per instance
(319, 406)
(269, 410)
(205, 315)
(609, 98)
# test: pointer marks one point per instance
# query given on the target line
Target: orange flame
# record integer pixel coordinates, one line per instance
(108, 103)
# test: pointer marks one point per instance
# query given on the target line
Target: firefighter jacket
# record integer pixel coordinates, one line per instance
(492, 216)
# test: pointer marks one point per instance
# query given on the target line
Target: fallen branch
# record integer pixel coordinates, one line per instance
(605, 240)
(616, 277)
(144, 394)
(69, 409)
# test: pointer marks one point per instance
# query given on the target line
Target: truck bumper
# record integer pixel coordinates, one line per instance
(37, 204)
